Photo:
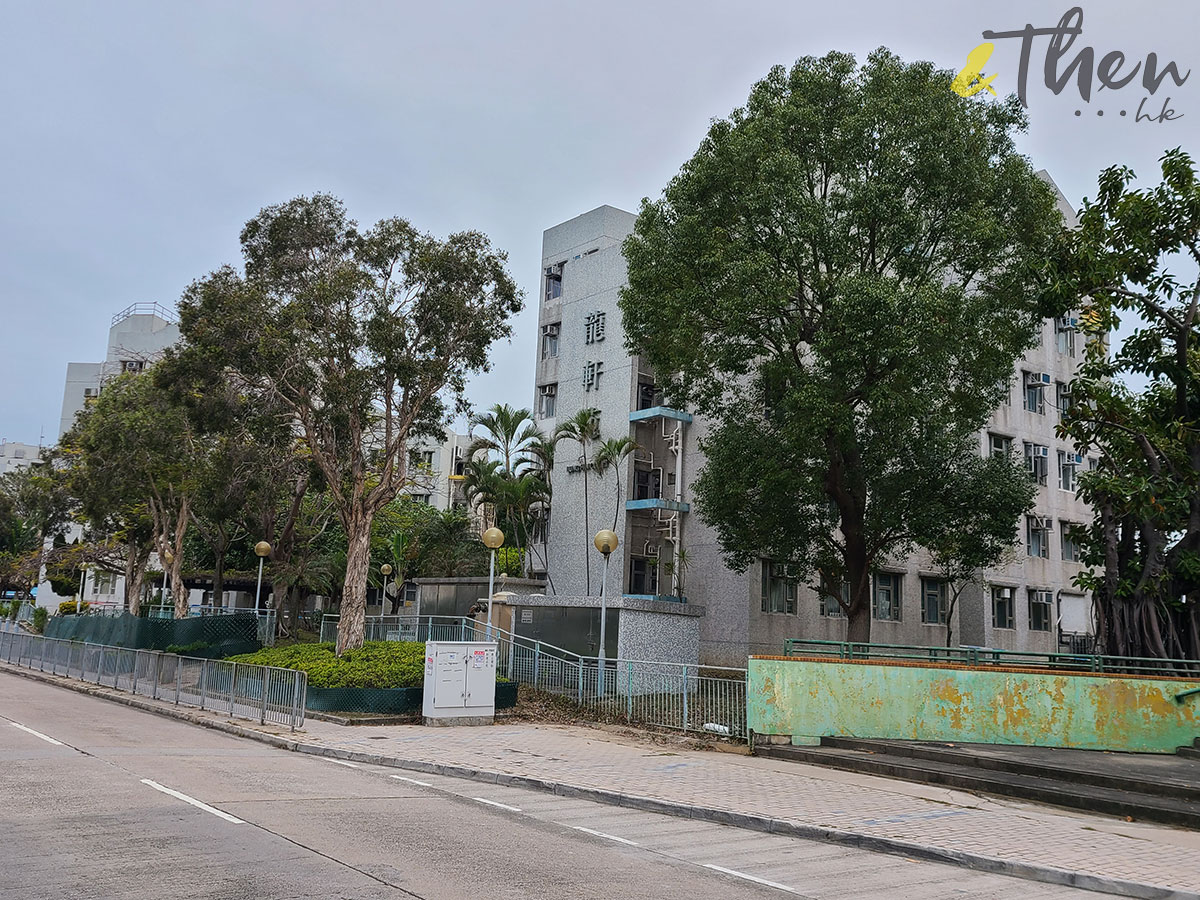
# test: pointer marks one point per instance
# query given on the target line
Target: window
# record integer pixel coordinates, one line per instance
(1037, 460)
(1040, 610)
(829, 603)
(1037, 536)
(425, 458)
(591, 375)
(550, 340)
(934, 595)
(593, 328)
(643, 575)
(1003, 613)
(91, 392)
(649, 396)
(779, 586)
(885, 602)
(999, 445)
(1068, 466)
(1035, 391)
(421, 498)
(1064, 334)
(1004, 388)
(1071, 551)
(103, 583)
(410, 593)
(1062, 397)
(647, 484)
(547, 395)
(553, 282)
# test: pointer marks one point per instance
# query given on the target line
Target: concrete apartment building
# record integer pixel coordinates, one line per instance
(1027, 604)
(15, 456)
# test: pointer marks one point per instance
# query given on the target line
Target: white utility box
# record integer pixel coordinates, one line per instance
(460, 683)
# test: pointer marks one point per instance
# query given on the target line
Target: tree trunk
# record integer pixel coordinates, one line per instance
(352, 624)
(135, 575)
(858, 617)
(218, 593)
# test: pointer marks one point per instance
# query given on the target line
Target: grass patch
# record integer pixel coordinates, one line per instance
(377, 664)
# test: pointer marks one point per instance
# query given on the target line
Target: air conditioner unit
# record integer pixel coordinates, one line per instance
(1005, 593)
(552, 330)
(1037, 379)
(554, 271)
(1068, 323)
(1072, 460)
(1040, 451)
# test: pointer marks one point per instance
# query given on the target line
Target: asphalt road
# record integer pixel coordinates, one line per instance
(101, 801)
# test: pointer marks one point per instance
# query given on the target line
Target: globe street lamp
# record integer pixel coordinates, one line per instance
(606, 543)
(385, 570)
(493, 539)
(262, 549)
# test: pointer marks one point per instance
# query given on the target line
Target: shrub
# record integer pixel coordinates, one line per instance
(3, 610)
(184, 649)
(377, 664)
(67, 607)
(40, 614)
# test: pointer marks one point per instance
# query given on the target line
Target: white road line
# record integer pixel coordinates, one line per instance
(412, 781)
(494, 803)
(192, 800)
(736, 874)
(342, 762)
(601, 834)
(36, 734)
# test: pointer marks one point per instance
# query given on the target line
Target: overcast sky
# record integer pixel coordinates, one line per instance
(139, 137)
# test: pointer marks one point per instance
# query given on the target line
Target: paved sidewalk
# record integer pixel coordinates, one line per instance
(1008, 836)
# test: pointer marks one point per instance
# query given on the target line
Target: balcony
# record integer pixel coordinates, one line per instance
(657, 503)
(659, 412)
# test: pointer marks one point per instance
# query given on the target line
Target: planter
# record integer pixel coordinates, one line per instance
(388, 700)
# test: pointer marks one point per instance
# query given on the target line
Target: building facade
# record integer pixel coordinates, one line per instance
(137, 337)
(15, 455)
(667, 554)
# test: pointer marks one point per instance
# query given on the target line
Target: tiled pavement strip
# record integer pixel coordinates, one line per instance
(1017, 834)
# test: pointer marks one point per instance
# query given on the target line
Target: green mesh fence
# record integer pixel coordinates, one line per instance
(209, 636)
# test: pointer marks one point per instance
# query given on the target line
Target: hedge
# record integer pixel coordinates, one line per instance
(377, 664)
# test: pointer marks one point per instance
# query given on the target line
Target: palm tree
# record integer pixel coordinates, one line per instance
(506, 431)
(610, 455)
(583, 429)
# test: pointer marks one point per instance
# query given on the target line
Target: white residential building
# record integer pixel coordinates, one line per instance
(1030, 604)
(15, 455)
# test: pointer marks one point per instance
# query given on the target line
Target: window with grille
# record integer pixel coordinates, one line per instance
(1040, 614)
(779, 588)
(1003, 614)
(885, 600)
(934, 596)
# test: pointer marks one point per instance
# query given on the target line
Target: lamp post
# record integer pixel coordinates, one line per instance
(262, 550)
(493, 539)
(606, 543)
(167, 558)
(386, 570)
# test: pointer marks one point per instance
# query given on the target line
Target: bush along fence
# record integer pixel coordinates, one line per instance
(639, 692)
(259, 693)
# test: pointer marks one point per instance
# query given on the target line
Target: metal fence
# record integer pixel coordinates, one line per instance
(266, 617)
(646, 692)
(259, 693)
(985, 656)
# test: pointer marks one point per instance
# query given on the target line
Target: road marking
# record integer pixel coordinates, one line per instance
(36, 734)
(494, 803)
(192, 800)
(601, 834)
(736, 874)
(412, 781)
(342, 762)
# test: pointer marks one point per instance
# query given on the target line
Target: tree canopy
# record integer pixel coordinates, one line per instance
(841, 279)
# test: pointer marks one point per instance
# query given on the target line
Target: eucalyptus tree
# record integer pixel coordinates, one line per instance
(840, 279)
(365, 337)
(583, 429)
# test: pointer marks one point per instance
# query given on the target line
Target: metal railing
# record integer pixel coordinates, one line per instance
(985, 656)
(258, 693)
(663, 694)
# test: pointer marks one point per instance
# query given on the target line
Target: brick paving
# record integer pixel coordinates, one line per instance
(922, 814)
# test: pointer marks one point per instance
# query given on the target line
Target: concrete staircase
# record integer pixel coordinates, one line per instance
(1140, 786)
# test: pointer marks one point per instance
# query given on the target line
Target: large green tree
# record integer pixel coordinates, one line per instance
(841, 280)
(1137, 409)
(365, 337)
